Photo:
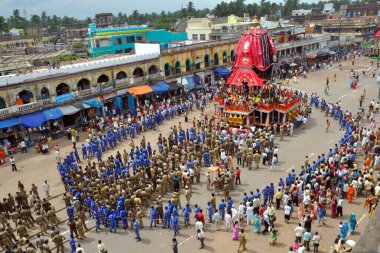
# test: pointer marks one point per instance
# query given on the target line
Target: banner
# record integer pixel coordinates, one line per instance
(64, 97)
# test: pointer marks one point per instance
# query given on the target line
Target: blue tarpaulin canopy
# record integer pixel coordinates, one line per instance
(9, 123)
(94, 102)
(53, 113)
(190, 82)
(33, 120)
(160, 87)
(222, 71)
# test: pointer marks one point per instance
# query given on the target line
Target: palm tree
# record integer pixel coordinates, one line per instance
(190, 8)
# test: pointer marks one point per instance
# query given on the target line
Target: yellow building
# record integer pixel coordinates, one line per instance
(30, 92)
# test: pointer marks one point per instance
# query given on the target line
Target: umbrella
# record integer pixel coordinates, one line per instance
(351, 243)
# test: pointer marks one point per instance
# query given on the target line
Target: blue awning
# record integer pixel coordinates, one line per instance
(160, 87)
(9, 122)
(69, 110)
(222, 71)
(94, 102)
(33, 120)
(53, 113)
(190, 82)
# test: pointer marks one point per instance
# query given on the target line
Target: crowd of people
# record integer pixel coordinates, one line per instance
(125, 189)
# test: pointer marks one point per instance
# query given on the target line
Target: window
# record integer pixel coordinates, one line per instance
(202, 36)
(195, 36)
(129, 39)
(119, 51)
(128, 50)
(117, 41)
(141, 38)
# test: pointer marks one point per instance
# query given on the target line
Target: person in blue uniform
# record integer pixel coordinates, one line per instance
(136, 227)
(123, 214)
(166, 217)
(153, 216)
(186, 215)
(174, 222)
(222, 208)
(73, 247)
(70, 212)
(112, 221)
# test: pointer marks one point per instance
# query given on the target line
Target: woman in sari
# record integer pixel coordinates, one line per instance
(256, 226)
(352, 222)
(235, 231)
(350, 193)
(333, 208)
(273, 235)
(343, 230)
(301, 211)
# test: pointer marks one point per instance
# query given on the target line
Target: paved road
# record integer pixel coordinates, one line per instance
(312, 140)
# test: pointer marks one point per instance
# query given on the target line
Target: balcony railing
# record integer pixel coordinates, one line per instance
(137, 79)
(301, 42)
(120, 82)
(4, 112)
(44, 101)
(85, 92)
(27, 107)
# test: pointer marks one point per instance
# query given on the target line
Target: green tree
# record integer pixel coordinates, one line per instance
(35, 20)
(190, 8)
(3, 24)
(289, 6)
(44, 18)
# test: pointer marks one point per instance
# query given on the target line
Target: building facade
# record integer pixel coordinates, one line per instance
(32, 92)
(199, 29)
(121, 40)
(18, 44)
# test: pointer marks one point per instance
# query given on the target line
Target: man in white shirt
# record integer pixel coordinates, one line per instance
(101, 247)
(217, 220)
(46, 189)
(299, 232)
(316, 238)
(287, 210)
(12, 160)
(249, 213)
(228, 221)
(79, 249)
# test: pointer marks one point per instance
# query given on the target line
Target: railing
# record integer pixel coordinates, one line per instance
(137, 79)
(84, 92)
(27, 107)
(44, 101)
(201, 45)
(4, 112)
(122, 81)
(301, 42)
(240, 108)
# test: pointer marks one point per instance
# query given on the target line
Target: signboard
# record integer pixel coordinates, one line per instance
(64, 97)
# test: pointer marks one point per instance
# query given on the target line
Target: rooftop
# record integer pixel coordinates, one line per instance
(144, 51)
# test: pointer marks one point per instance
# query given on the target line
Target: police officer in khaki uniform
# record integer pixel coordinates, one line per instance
(58, 240)
(79, 226)
(256, 158)
(21, 230)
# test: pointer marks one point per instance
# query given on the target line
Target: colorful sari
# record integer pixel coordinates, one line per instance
(256, 226)
(235, 232)
(352, 222)
(344, 230)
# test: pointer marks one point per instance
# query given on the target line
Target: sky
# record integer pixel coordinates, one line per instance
(88, 8)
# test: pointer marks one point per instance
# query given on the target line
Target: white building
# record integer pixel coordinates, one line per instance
(199, 29)
(328, 8)
(300, 12)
